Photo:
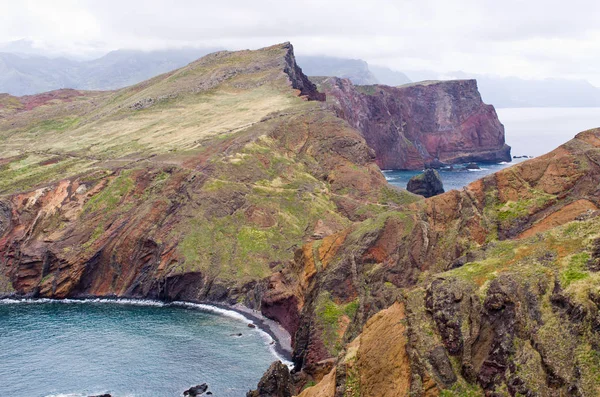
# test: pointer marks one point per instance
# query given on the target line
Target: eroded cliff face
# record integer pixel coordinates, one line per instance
(421, 124)
(225, 181)
(482, 279)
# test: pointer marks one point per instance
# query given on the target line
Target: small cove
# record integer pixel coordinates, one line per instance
(127, 348)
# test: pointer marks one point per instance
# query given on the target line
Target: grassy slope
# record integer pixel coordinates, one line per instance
(226, 170)
(215, 96)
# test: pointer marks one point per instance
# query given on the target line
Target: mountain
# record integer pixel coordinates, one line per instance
(27, 74)
(234, 180)
(356, 70)
(195, 185)
(490, 290)
(516, 92)
(25, 70)
(419, 125)
(387, 76)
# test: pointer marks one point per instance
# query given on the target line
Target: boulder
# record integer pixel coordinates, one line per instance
(427, 184)
(196, 390)
(276, 382)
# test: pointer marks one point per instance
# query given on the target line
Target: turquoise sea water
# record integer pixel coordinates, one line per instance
(81, 349)
(529, 131)
(452, 179)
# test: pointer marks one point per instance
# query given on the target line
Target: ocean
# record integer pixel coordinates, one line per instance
(146, 349)
(529, 131)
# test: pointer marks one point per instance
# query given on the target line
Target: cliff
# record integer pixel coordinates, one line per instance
(421, 124)
(491, 290)
(195, 185)
(230, 180)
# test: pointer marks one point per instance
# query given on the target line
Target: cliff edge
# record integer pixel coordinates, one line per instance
(420, 125)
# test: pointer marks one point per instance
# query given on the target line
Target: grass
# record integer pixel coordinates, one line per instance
(330, 317)
(513, 210)
(191, 105)
(576, 269)
(56, 125)
(30, 170)
(112, 195)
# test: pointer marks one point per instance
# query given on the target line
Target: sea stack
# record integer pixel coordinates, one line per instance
(427, 184)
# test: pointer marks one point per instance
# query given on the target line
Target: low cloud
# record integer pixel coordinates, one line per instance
(524, 38)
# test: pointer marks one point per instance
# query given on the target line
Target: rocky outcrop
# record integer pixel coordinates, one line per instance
(477, 308)
(421, 124)
(276, 382)
(427, 184)
(298, 79)
(196, 390)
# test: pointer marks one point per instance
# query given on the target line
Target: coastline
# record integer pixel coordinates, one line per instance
(280, 339)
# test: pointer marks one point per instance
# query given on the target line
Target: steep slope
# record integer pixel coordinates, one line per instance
(421, 124)
(489, 290)
(194, 185)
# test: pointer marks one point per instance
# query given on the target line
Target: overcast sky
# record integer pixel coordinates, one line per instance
(531, 39)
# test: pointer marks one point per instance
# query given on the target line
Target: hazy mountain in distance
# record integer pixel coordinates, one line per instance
(122, 68)
(388, 76)
(515, 92)
(356, 70)
(26, 69)
(25, 74)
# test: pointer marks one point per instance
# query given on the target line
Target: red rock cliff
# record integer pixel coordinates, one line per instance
(421, 124)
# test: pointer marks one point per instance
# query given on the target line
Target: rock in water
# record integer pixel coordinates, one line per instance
(196, 390)
(276, 382)
(472, 166)
(427, 184)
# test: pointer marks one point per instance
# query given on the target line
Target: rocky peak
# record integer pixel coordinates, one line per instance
(298, 79)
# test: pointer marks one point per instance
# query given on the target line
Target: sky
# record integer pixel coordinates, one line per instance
(528, 39)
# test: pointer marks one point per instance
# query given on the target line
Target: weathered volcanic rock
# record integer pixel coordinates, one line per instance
(276, 382)
(421, 124)
(427, 184)
(196, 390)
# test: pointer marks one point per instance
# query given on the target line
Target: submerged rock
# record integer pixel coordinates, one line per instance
(196, 390)
(276, 382)
(427, 184)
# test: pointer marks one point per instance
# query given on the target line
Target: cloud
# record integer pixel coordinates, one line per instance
(535, 38)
